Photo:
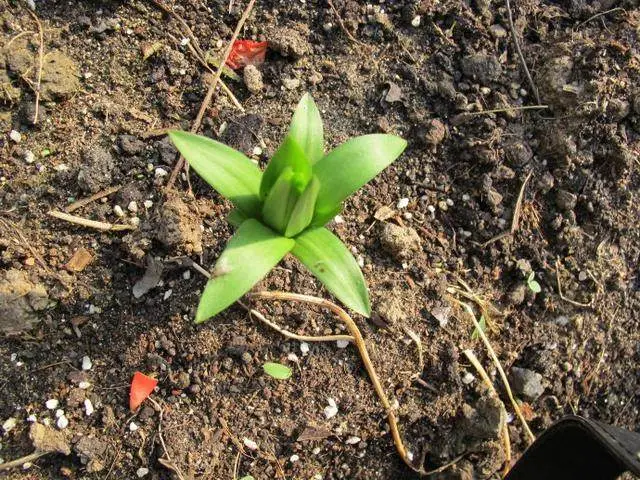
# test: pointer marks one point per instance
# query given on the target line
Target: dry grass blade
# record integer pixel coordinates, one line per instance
(505, 429)
(19, 462)
(40, 63)
(519, 51)
(568, 300)
(102, 226)
(343, 26)
(86, 201)
(503, 376)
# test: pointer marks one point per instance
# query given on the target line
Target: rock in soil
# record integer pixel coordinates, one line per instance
(60, 77)
(526, 383)
(401, 242)
(20, 302)
(47, 439)
(566, 200)
(179, 226)
(96, 172)
(553, 81)
(391, 307)
(130, 144)
(91, 451)
(484, 421)
(485, 68)
(253, 79)
(288, 42)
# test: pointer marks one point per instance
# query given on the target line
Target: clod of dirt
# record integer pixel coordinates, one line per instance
(618, 109)
(179, 226)
(242, 133)
(566, 200)
(253, 79)
(96, 172)
(401, 242)
(393, 93)
(288, 42)
(553, 82)
(517, 294)
(518, 153)
(46, 439)
(20, 57)
(482, 422)
(130, 144)
(526, 383)
(20, 300)
(435, 132)
(60, 77)
(392, 308)
(91, 451)
(484, 68)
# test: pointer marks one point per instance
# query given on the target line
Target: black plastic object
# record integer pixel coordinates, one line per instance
(581, 449)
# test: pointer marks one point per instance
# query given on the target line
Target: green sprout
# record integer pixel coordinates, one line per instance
(533, 285)
(277, 370)
(284, 209)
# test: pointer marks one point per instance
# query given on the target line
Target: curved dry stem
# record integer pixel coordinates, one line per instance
(364, 354)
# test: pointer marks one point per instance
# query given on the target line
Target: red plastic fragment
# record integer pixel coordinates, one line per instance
(246, 52)
(141, 388)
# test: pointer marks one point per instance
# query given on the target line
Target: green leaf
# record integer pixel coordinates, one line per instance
(531, 276)
(328, 258)
(247, 477)
(228, 171)
(483, 325)
(250, 254)
(306, 128)
(535, 286)
(303, 212)
(281, 201)
(351, 165)
(322, 219)
(236, 217)
(277, 370)
(289, 155)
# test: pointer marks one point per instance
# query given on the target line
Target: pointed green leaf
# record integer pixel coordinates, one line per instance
(250, 254)
(303, 212)
(289, 155)
(306, 128)
(281, 201)
(277, 370)
(228, 171)
(321, 219)
(329, 259)
(236, 217)
(351, 165)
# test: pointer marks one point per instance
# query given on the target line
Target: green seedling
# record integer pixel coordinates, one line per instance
(277, 370)
(533, 285)
(284, 209)
(483, 326)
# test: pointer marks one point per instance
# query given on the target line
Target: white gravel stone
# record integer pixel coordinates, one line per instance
(63, 422)
(29, 156)
(132, 207)
(338, 219)
(88, 407)
(15, 136)
(468, 378)
(84, 385)
(51, 404)
(294, 458)
(250, 444)
(415, 22)
(353, 440)
(32, 418)
(342, 343)
(161, 172)
(133, 427)
(86, 363)
(402, 203)
(142, 471)
(148, 204)
(9, 423)
(304, 348)
(331, 410)
(119, 212)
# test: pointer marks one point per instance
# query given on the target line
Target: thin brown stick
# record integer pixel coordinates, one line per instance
(498, 365)
(168, 463)
(505, 429)
(115, 459)
(102, 226)
(597, 15)
(209, 96)
(16, 37)
(507, 109)
(566, 299)
(522, 60)
(18, 462)
(40, 63)
(86, 201)
(343, 27)
(364, 354)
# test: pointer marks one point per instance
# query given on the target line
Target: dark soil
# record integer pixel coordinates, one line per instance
(101, 118)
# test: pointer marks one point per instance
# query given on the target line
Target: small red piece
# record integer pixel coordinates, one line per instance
(141, 388)
(246, 52)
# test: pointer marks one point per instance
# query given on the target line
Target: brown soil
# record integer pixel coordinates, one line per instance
(102, 107)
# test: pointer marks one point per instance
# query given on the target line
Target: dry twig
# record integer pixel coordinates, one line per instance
(86, 201)
(167, 463)
(209, 96)
(102, 226)
(522, 60)
(40, 63)
(598, 15)
(344, 28)
(18, 462)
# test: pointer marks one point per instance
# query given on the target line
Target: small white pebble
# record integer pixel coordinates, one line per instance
(186, 274)
(117, 209)
(360, 261)
(449, 202)
(84, 385)
(167, 294)
(257, 151)
(402, 203)
(415, 22)
(63, 167)
(63, 422)
(51, 404)
(148, 204)
(46, 421)
(184, 42)
(485, 90)
(431, 209)
(15, 136)
(468, 378)
(465, 197)
(316, 450)
(86, 363)
(135, 221)
(13, 357)
(8, 424)
(294, 458)
(409, 455)
(149, 167)
(395, 404)
(32, 418)
(304, 348)
(87, 75)
(142, 471)
(132, 207)
(133, 427)
(250, 444)
(29, 156)
(331, 410)
(27, 465)
(161, 172)
(59, 413)
(353, 440)
(292, 357)
(342, 343)
(88, 407)
(338, 219)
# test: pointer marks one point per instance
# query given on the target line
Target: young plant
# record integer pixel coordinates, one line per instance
(533, 285)
(284, 209)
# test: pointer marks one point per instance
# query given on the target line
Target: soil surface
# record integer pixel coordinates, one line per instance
(79, 315)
